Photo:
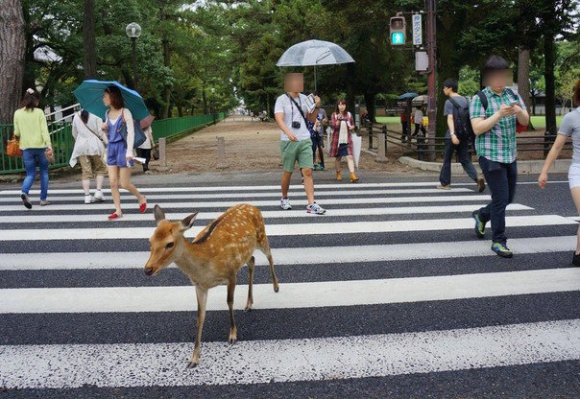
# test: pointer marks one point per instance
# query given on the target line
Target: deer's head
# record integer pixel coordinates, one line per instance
(167, 243)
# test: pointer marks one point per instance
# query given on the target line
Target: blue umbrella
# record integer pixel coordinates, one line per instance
(408, 96)
(90, 96)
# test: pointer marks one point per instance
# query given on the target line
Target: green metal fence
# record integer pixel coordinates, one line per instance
(63, 142)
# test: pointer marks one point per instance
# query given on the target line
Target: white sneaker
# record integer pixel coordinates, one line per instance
(99, 197)
(89, 199)
(315, 209)
(285, 204)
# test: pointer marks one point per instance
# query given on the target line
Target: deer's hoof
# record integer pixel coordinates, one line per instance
(191, 365)
(248, 307)
(276, 289)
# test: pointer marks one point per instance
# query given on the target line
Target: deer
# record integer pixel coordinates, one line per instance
(213, 258)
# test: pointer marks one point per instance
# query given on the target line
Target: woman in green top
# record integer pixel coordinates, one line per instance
(30, 126)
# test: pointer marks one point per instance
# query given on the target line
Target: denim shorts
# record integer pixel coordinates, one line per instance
(117, 155)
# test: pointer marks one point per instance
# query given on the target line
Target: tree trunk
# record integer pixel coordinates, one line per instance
(90, 51)
(371, 106)
(524, 77)
(167, 63)
(12, 48)
(549, 61)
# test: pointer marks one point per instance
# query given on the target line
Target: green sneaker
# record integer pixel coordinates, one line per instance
(479, 225)
(502, 250)
(316, 167)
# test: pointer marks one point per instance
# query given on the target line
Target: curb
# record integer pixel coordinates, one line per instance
(524, 167)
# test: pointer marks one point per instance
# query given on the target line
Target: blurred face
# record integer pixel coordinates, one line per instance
(498, 80)
(294, 83)
(106, 99)
(447, 91)
(342, 107)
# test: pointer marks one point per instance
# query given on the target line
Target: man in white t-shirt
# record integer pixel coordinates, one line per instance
(292, 110)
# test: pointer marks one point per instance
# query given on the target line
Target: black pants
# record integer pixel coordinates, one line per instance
(462, 150)
(501, 179)
(317, 145)
(419, 126)
(144, 153)
(405, 131)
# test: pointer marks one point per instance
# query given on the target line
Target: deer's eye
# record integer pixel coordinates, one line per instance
(169, 245)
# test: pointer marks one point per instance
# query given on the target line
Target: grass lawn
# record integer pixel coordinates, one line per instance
(539, 122)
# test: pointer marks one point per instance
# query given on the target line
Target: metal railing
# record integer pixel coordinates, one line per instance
(63, 141)
(418, 146)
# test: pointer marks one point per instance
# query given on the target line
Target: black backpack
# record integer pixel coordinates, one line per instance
(462, 121)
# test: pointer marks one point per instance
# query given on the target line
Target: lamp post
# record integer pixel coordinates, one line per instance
(133, 32)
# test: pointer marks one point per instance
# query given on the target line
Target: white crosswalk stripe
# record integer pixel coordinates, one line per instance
(367, 257)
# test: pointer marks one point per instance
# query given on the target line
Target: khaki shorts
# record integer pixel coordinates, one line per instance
(91, 166)
(293, 151)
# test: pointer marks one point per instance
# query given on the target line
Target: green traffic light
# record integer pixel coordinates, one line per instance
(397, 38)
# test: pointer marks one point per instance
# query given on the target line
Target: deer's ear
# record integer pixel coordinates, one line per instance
(187, 223)
(159, 214)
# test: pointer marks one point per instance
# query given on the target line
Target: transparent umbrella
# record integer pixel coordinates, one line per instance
(314, 53)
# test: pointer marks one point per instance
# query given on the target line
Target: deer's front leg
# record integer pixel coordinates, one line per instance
(201, 294)
(233, 330)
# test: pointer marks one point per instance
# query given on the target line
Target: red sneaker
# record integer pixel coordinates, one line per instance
(143, 207)
(114, 216)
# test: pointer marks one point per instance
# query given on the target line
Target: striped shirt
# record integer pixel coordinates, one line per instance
(499, 143)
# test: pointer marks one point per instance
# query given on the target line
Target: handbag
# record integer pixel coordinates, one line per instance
(139, 138)
(13, 147)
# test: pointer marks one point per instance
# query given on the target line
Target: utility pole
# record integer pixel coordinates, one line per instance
(430, 7)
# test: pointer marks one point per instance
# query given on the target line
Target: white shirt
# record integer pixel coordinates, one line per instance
(291, 114)
(86, 141)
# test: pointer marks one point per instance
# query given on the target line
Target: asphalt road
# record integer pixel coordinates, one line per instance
(389, 295)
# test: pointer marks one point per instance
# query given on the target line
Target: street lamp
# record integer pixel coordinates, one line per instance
(133, 32)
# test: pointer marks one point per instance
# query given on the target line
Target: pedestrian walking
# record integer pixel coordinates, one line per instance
(89, 150)
(570, 127)
(292, 113)
(120, 149)
(404, 125)
(495, 112)
(31, 129)
(418, 121)
(144, 150)
(457, 137)
(318, 139)
(342, 125)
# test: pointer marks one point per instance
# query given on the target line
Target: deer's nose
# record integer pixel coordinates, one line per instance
(148, 271)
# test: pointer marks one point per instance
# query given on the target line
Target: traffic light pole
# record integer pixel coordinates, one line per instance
(431, 81)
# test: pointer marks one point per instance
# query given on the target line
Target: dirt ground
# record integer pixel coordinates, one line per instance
(251, 146)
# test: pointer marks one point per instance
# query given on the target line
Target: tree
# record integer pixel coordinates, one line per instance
(12, 48)
(90, 53)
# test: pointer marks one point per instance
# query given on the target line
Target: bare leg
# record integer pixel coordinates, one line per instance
(350, 162)
(286, 176)
(233, 330)
(86, 186)
(337, 164)
(308, 185)
(114, 183)
(576, 197)
(125, 181)
(100, 179)
(201, 305)
(251, 266)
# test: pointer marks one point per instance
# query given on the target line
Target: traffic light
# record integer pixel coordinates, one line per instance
(398, 28)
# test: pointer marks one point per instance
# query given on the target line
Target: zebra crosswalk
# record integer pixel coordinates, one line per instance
(391, 282)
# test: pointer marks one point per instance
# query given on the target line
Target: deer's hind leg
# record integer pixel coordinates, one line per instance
(233, 329)
(251, 267)
(265, 248)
